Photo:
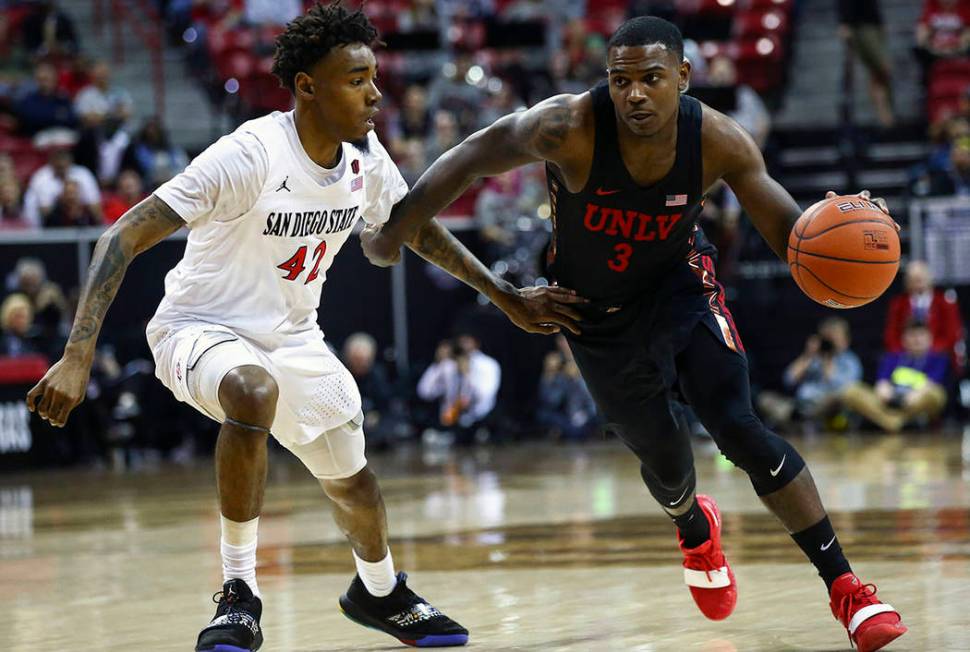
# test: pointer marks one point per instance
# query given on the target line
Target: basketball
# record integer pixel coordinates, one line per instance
(843, 252)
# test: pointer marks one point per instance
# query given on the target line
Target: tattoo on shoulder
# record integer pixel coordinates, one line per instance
(552, 128)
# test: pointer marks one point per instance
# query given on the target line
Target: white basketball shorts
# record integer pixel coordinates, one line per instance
(318, 397)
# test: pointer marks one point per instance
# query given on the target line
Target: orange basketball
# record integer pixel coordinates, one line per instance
(843, 252)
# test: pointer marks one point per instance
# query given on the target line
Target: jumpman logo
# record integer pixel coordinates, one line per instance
(283, 185)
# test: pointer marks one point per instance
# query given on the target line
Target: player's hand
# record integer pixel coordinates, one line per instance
(865, 194)
(60, 390)
(377, 248)
(542, 309)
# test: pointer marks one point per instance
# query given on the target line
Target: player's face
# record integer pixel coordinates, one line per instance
(345, 96)
(645, 84)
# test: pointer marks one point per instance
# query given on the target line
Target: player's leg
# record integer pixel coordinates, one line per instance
(715, 381)
(247, 396)
(222, 376)
(378, 597)
(630, 392)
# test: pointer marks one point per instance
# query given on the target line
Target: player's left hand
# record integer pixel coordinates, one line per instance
(542, 309)
(865, 194)
(377, 248)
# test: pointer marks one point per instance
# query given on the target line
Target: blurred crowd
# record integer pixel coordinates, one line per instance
(72, 153)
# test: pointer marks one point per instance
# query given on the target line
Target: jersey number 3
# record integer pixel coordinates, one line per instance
(622, 260)
(297, 263)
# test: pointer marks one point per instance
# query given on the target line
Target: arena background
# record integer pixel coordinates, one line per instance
(171, 76)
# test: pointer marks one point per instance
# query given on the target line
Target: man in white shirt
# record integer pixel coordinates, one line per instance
(466, 381)
(47, 184)
(236, 335)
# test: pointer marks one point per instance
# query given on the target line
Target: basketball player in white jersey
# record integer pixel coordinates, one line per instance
(236, 336)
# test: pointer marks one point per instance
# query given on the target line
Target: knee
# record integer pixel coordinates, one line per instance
(743, 438)
(359, 490)
(249, 394)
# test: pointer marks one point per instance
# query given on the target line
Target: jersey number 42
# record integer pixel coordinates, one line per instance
(295, 265)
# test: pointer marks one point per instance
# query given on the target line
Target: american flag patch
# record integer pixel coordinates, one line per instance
(676, 200)
(356, 184)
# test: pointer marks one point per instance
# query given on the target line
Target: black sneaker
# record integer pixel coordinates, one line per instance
(403, 614)
(235, 627)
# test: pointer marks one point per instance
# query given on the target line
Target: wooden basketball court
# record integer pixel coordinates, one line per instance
(532, 547)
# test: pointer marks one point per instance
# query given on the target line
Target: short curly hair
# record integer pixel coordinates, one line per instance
(310, 37)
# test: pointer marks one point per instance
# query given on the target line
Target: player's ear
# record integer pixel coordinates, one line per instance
(684, 81)
(303, 84)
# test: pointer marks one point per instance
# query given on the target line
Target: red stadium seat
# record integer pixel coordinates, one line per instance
(764, 5)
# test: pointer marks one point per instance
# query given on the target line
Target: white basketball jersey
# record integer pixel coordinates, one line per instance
(265, 224)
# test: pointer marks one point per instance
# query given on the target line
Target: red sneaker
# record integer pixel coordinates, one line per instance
(706, 570)
(871, 624)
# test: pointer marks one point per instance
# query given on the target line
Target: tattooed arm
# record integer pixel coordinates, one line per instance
(63, 386)
(550, 131)
(533, 309)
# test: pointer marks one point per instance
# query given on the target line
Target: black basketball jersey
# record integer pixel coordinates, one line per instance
(614, 239)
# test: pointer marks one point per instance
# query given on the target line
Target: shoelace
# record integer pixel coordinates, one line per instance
(865, 594)
(707, 562)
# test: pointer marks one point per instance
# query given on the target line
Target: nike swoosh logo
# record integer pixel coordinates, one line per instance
(681, 497)
(602, 193)
(775, 472)
(828, 545)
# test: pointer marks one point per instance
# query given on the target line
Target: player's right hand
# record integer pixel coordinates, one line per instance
(542, 309)
(60, 390)
(377, 248)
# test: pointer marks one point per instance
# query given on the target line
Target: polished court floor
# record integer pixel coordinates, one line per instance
(532, 547)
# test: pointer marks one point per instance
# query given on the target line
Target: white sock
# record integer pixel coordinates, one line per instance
(378, 576)
(238, 546)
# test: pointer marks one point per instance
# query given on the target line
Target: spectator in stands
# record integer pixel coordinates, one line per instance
(11, 207)
(411, 122)
(943, 31)
(129, 192)
(49, 31)
(749, 109)
(909, 385)
(17, 335)
(860, 26)
(565, 407)
(47, 302)
(466, 382)
(376, 390)
(101, 100)
(499, 103)
(48, 183)
(44, 106)
(445, 134)
(152, 155)
(104, 110)
(937, 309)
(71, 209)
(455, 91)
(816, 379)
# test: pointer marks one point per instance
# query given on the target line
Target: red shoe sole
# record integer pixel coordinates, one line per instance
(878, 636)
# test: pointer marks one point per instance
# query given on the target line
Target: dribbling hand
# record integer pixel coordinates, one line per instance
(544, 310)
(60, 390)
(865, 194)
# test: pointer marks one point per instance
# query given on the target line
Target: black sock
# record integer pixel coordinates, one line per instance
(822, 548)
(693, 526)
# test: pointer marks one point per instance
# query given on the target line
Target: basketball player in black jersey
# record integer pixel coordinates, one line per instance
(628, 164)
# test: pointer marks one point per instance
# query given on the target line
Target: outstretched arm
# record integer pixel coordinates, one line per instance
(533, 309)
(540, 134)
(62, 387)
